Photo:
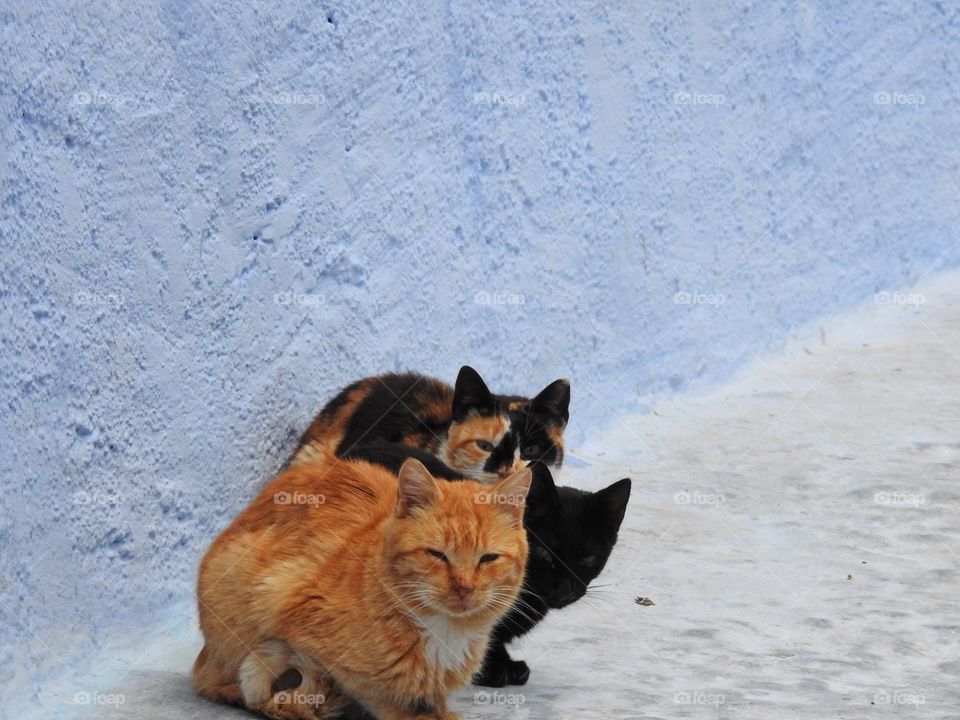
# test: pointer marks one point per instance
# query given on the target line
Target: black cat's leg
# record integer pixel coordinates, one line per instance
(517, 672)
(494, 672)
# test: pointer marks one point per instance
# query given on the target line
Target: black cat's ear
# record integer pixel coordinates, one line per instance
(553, 401)
(543, 499)
(471, 394)
(611, 504)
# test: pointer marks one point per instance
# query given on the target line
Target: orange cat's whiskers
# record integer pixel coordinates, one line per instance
(518, 606)
(415, 597)
(527, 588)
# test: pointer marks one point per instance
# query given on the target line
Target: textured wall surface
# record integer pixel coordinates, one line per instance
(215, 214)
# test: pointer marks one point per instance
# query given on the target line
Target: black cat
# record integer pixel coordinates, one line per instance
(570, 533)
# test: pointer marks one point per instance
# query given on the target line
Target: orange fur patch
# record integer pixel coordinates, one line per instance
(461, 451)
(328, 428)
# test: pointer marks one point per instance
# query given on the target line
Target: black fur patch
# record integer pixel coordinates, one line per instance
(571, 533)
(288, 680)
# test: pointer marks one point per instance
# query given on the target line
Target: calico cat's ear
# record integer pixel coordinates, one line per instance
(471, 393)
(543, 499)
(416, 487)
(611, 503)
(512, 492)
(553, 401)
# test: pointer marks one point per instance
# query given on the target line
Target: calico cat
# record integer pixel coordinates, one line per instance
(355, 582)
(570, 533)
(482, 435)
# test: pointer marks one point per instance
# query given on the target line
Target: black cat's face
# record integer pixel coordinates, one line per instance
(493, 436)
(571, 534)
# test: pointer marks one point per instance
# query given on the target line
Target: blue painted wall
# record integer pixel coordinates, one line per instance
(216, 214)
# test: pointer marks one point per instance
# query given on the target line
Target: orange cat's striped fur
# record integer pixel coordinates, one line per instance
(379, 587)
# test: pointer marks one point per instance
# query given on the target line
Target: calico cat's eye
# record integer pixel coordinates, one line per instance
(485, 445)
(531, 451)
(488, 558)
(438, 555)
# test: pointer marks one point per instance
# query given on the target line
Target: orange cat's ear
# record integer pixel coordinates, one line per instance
(511, 493)
(417, 488)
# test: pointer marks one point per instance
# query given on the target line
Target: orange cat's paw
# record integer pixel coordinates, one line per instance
(448, 715)
(280, 708)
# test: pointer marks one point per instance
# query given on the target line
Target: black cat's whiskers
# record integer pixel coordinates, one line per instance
(604, 600)
(601, 598)
(591, 603)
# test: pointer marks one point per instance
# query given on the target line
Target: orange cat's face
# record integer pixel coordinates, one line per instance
(457, 548)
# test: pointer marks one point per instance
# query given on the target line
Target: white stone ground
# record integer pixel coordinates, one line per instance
(797, 530)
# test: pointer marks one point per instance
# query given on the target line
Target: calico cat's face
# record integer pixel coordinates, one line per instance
(493, 436)
(571, 533)
(453, 551)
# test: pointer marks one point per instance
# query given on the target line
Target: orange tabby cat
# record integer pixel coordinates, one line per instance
(375, 587)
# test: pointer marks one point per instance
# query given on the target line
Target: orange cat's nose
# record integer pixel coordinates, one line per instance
(463, 591)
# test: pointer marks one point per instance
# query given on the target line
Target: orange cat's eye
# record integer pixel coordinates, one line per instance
(438, 555)
(489, 557)
(485, 445)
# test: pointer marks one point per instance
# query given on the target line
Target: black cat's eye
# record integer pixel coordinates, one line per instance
(489, 557)
(544, 555)
(590, 560)
(438, 555)
(485, 445)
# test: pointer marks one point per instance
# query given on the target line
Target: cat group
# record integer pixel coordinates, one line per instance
(416, 531)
